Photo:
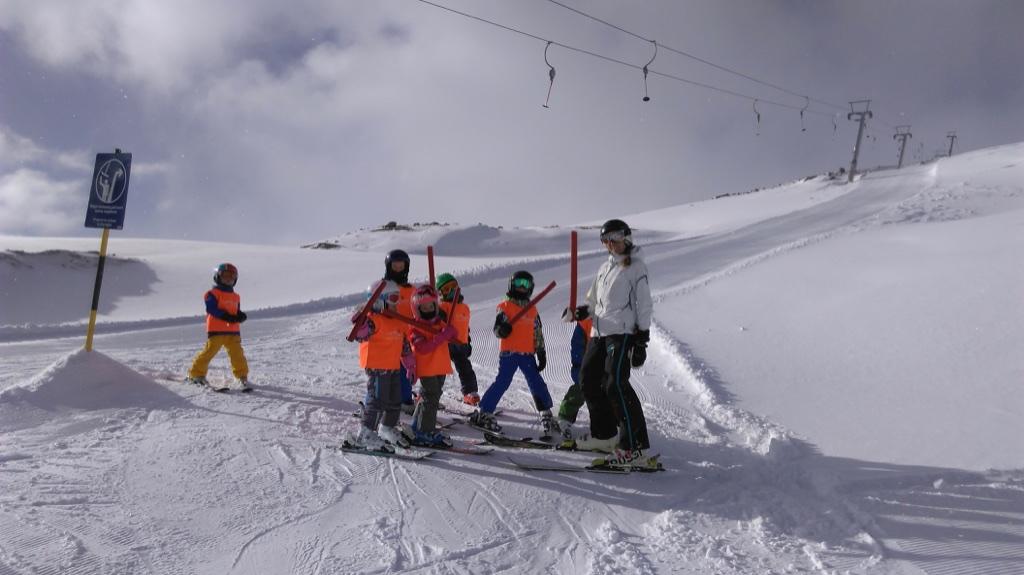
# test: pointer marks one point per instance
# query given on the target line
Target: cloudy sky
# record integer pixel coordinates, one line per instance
(286, 122)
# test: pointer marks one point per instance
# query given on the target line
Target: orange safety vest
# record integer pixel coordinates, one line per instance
(384, 348)
(404, 306)
(586, 325)
(437, 362)
(521, 340)
(227, 302)
(460, 320)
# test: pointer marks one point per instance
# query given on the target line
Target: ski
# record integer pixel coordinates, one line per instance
(458, 448)
(564, 468)
(506, 441)
(588, 468)
(399, 453)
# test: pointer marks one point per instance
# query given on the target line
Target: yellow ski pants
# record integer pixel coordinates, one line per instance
(233, 343)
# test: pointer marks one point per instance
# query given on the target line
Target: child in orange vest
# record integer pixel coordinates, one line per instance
(224, 318)
(460, 347)
(433, 363)
(381, 343)
(521, 349)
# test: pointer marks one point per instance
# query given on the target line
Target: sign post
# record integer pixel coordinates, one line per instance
(108, 198)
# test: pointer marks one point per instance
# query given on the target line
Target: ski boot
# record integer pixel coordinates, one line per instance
(549, 427)
(198, 380)
(393, 436)
(438, 439)
(243, 384)
(566, 430)
(590, 443)
(369, 440)
(485, 420)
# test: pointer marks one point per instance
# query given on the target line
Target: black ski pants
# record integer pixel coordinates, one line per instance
(459, 353)
(611, 400)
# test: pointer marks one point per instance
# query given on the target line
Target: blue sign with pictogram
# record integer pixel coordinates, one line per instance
(108, 196)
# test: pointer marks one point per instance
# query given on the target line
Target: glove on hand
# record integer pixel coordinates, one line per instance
(365, 330)
(642, 336)
(448, 333)
(638, 355)
(409, 363)
(580, 313)
(542, 359)
(503, 330)
(241, 316)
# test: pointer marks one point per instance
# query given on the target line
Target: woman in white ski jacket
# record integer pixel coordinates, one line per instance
(619, 303)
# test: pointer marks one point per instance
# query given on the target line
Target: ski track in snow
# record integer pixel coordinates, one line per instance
(232, 483)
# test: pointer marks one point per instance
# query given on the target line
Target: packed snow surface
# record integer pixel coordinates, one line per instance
(834, 386)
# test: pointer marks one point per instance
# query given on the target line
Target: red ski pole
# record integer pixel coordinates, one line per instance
(572, 271)
(532, 303)
(357, 319)
(455, 302)
(430, 264)
(420, 325)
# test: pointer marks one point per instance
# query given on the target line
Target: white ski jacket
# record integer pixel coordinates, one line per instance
(620, 297)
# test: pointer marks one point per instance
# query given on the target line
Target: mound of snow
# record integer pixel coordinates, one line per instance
(87, 381)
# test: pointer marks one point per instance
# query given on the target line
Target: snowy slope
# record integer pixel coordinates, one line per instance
(833, 371)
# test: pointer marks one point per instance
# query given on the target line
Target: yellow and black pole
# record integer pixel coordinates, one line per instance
(108, 198)
(96, 289)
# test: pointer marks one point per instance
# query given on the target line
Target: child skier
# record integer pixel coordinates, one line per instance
(522, 349)
(396, 269)
(460, 347)
(433, 363)
(381, 342)
(573, 400)
(224, 318)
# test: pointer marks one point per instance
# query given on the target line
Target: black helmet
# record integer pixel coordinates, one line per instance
(229, 269)
(616, 227)
(402, 277)
(520, 285)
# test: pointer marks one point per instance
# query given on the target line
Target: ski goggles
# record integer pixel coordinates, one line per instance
(616, 236)
(522, 283)
(448, 288)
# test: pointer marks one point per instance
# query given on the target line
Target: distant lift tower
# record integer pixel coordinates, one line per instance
(952, 138)
(858, 110)
(902, 133)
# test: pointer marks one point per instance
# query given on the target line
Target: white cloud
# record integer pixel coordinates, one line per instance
(33, 203)
(16, 150)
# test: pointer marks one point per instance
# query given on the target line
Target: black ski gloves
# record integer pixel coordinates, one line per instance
(235, 317)
(580, 313)
(502, 329)
(638, 355)
(241, 316)
(542, 359)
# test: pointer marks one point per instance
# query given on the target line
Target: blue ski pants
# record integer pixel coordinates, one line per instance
(508, 363)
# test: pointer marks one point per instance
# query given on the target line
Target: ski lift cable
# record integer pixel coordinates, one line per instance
(697, 58)
(619, 62)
